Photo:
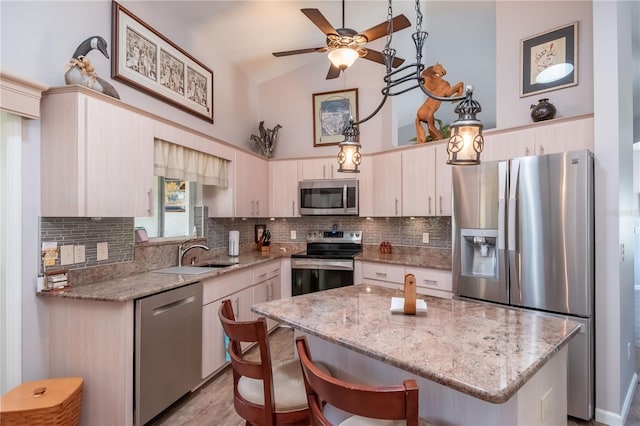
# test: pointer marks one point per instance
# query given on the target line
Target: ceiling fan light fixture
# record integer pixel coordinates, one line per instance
(343, 57)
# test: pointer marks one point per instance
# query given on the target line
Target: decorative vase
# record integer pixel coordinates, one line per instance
(544, 110)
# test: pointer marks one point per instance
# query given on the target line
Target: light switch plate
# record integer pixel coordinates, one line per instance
(425, 237)
(66, 255)
(102, 251)
(294, 235)
(78, 254)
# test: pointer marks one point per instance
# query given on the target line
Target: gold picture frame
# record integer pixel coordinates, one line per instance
(331, 113)
(553, 49)
(146, 60)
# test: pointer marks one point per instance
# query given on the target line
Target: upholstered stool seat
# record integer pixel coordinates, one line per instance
(288, 386)
(365, 421)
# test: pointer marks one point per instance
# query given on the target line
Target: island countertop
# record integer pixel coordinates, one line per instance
(483, 350)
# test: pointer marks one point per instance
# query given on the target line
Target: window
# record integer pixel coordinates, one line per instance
(174, 203)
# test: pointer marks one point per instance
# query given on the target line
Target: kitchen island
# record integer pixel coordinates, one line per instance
(474, 363)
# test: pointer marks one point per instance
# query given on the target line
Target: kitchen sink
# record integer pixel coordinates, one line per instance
(188, 270)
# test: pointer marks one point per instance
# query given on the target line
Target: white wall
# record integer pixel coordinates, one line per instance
(44, 35)
(522, 19)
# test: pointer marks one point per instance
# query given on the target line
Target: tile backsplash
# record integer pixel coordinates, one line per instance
(119, 232)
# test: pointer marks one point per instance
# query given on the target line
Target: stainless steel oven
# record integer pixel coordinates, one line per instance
(327, 263)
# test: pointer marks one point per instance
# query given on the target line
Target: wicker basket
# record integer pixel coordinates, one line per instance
(49, 402)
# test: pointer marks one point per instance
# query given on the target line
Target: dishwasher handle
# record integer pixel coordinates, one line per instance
(173, 305)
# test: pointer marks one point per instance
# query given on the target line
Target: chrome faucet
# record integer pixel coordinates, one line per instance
(182, 251)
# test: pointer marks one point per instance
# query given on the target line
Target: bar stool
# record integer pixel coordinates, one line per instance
(263, 393)
(370, 405)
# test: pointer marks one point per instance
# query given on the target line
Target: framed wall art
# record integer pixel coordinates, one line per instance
(331, 113)
(146, 60)
(549, 60)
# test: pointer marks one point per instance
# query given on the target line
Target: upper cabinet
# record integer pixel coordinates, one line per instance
(566, 134)
(252, 185)
(283, 188)
(97, 156)
(387, 184)
(320, 168)
(426, 181)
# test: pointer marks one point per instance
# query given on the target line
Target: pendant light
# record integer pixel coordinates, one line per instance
(466, 141)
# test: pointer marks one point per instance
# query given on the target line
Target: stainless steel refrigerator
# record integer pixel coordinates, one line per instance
(523, 235)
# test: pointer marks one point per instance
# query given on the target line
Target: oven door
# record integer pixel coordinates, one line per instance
(309, 275)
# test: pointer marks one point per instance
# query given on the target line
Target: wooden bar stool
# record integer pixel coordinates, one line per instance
(370, 405)
(263, 393)
(51, 402)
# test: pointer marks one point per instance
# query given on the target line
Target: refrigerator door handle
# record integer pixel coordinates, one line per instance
(512, 247)
(502, 213)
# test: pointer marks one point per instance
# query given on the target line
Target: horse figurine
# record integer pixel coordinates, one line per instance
(81, 71)
(434, 83)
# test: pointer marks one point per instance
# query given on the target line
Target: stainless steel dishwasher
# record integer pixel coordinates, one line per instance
(168, 349)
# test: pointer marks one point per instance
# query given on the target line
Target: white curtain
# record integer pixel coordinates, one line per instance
(178, 162)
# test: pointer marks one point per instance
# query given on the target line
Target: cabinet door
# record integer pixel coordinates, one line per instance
(510, 144)
(213, 348)
(365, 187)
(568, 135)
(252, 186)
(387, 184)
(283, 185)
(442, 179)
(391, 276)
(119, 161)
(418, 182)
(319, 168)
(432, 282)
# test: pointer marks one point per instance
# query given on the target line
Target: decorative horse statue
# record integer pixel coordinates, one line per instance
(434, 83)
(81, 71)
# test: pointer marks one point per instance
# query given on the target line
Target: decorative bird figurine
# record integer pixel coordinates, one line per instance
(79, 70)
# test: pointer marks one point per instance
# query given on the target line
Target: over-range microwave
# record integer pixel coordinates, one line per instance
(328, 197)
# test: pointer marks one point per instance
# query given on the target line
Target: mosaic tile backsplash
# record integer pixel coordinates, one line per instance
(119, 232)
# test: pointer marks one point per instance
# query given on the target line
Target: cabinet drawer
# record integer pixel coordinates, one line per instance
(217, 288)
(266, 272)
(382, 272)
(431, 279)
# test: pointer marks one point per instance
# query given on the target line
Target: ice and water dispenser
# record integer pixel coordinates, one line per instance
(479, 254)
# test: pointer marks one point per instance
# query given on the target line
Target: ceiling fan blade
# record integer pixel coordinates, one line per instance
(375, 56)
(334, 72)
(321, 22)
(299, 51)
(400, 22)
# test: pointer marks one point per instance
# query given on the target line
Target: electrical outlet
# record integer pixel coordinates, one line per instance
(294, 235)
(545, 405)
(102, 251)
(66, 255)
(78, 254)
(425, 237)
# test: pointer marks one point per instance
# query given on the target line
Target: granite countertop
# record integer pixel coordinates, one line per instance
(483, 350)
(409, 256)
(144, 284)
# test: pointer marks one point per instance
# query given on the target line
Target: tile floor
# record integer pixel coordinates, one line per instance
(212, 404)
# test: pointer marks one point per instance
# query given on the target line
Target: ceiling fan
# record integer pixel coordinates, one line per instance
(346, 38)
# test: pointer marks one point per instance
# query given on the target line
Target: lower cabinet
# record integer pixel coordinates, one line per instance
(430, 282)
(244, 289)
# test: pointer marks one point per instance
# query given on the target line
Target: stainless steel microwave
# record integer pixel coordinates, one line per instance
(328, 197)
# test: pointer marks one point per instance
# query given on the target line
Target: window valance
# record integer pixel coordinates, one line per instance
(178, 162)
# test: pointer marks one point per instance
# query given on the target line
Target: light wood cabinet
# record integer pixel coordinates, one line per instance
(283, 189)
(430, 282)
(320, 168)
(443, 188)
(252, 186)
(244, 289)
(554, 136)
(97, 156)
(365, 187)
(426, 181)
(387, 184)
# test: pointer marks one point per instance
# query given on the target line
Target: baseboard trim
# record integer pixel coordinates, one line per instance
(615, 419)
